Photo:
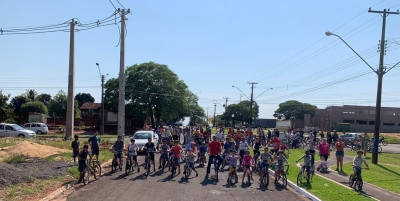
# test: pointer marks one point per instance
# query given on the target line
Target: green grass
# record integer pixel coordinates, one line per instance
(385, 175)
(389, 139)
(320, 187)
(15, 158)
(73, 171)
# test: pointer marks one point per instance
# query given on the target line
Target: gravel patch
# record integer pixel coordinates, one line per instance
(15, 173)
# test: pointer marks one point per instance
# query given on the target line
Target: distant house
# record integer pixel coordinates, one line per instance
(90, 110)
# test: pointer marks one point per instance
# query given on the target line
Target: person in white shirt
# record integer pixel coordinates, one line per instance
(132, 152)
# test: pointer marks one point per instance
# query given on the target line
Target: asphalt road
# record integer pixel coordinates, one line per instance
(391, 148)
(158, 186)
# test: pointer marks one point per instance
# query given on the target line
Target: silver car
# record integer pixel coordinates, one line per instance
(13, 130)
(141, 137)
(38, 128)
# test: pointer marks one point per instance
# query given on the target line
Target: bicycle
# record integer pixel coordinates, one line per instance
(216, 168)
(173, 168)
(284, 179)
(225, 162)
(129, 165)
(188, 169)
(303, 174)
(248, 174)
(357, 183)
(148, 164)
(202, 159)
(86, 174)
(164, 159)
(383, 141)
(95, 168)
(233, 178)
(115, 162)
(265, 177)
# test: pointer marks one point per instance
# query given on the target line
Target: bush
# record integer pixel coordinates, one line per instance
(10, 121)
(15, 158)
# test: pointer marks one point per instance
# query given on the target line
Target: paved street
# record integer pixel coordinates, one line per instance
(391, 148)
(158, 186)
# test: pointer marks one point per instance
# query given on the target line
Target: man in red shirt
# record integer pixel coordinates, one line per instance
(214, 148)
(275, 142)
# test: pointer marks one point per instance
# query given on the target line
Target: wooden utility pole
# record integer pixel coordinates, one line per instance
(102, 105)
(215, 110)
(69, 130)
(380, 72)
(250, 120)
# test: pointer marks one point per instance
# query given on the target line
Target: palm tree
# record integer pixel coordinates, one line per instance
(31, 94)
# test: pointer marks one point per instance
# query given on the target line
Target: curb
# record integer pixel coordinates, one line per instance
(298, 189)
(64, 188)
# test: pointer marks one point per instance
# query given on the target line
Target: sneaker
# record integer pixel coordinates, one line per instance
(197, 174)
(154, 169)
(337, 169)
(138, 169)
(317, 169)
(184, 172)
(79, 180)
(341, 170)
(159, 167)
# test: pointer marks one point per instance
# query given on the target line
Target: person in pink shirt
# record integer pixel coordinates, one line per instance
(247, 160)
(324, 149)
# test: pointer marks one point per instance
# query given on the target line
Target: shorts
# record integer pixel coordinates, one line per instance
(134, 157)
(325, 157)
(307, 168)
(340, 153)
(264, 165)
(357, 170)
(151, 155)
(82, 165)
(95, 151)
(232, 168)
(191, 165)
(176, 160)
(74, 154)
(278, 167)
(274, 151)
(188, 147)
(247, 166)
(164, 155)
(256, 153)
(241, 153)
(118, 154)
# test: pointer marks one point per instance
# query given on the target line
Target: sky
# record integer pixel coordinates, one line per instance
(211, 46)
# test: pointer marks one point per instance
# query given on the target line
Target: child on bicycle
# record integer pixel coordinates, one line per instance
(82, 156)
(311, 150)
(190, 160)
(279, 170)
(202, 151)
(176, 155)
(233, 158)
(132, 152)
(264, 159)
(357, 164)
(307, 162)
(164, 149)
(247, 162)
(323, 164)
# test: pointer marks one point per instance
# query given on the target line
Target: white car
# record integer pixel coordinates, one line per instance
(13, 130)
(38, 128)
(141, 137)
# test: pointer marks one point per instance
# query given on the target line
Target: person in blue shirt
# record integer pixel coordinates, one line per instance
(94, 142)
(202, 151)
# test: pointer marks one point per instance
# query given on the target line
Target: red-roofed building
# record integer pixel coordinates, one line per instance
(90, 110)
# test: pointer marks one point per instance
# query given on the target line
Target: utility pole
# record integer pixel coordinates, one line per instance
(69, 130)
(251, 102)
(240, 99)
(226, 105)
(102, 105)
(207, 117)
(380, 72)
(121, 101)
(215, 109)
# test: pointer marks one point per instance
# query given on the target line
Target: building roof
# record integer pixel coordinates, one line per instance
(90, 106)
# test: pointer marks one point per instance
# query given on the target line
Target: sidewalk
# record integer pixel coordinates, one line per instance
(368, 189)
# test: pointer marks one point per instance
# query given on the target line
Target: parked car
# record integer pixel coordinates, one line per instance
(141, 137)
(349, 136)
(13, 130)
(38, 128)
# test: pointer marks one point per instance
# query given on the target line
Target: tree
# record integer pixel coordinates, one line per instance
(295, 109)
(16, 103)
(4, 107)
(33, 106)
(58, 106)
(44, 98)
(241, 111)
(31, 94)
(84, 97)
(153, 90)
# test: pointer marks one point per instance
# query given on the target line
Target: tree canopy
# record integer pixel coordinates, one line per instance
(295, 109)
(16, 104)
(241, 111)
(153, 90)
(59, 105)
(33, 106)
(83, 97)
(44, 98)
(31, 94)
(4, 107)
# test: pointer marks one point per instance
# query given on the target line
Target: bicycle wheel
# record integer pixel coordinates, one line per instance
(299, 179)
(127, 168)
(379, 149)
(358, 185)
(286, 168)
(97, 171)
(248, 179)
(284, 181)
(384, 142)
(113, 165)
(351, 182)
(86, 175)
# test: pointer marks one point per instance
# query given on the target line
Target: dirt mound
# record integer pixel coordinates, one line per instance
(31, 149)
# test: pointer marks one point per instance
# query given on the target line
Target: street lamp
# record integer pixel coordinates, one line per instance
(233, 116)
(102, 77)
(380, 72)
